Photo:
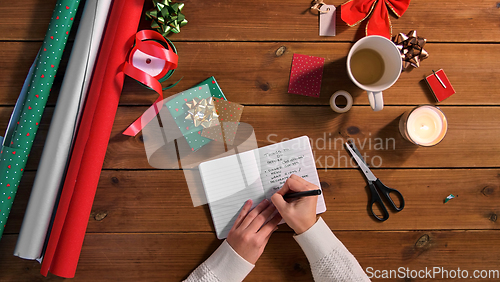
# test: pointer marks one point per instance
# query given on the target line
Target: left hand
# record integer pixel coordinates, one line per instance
(248, 236)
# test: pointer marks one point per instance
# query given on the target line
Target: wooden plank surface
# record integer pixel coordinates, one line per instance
(368, 129)
(443, 21)
(450, 21)
(458, 149)
(143, 226)
(376, 133)
(159, 201)
(171, 257)
(252, 74)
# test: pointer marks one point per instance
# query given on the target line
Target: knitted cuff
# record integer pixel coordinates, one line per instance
(318, 241)
(228, 265)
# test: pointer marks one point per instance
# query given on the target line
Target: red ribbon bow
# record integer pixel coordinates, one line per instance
(355, 11)
(147, 41)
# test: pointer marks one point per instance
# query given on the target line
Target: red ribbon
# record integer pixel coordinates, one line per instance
(355, 11)
(146, 41)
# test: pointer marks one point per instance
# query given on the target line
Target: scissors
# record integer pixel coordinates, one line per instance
(374, 183)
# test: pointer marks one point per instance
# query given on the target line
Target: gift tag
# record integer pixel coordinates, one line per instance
(327, 20)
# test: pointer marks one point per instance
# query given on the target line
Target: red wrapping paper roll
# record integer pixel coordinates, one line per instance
(70, 223)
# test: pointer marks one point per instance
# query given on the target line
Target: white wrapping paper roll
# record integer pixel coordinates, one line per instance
(54, 159)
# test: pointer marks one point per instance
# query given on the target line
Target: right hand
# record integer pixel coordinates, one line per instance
(299, 214)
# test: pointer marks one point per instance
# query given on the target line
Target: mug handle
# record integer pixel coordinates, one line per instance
(376, 100)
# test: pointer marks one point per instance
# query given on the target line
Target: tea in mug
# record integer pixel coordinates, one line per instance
(367, 66)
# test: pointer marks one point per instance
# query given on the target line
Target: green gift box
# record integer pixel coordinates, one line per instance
(179, 110)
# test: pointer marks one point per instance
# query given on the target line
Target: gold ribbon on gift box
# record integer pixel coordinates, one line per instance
(412, 49)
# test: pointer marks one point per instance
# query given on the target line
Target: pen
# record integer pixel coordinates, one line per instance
(302, 194)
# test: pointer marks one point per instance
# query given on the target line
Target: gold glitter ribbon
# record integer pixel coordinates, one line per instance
(202, 112)
(412, 49)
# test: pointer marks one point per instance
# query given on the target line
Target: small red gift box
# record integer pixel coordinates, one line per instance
(440, 85)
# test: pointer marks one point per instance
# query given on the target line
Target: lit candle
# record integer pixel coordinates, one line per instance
(424, 125)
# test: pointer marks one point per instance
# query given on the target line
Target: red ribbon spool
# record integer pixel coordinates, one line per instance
(143, 65)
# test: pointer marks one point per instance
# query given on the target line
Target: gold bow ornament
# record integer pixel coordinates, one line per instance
(412, 49)
(202, 112)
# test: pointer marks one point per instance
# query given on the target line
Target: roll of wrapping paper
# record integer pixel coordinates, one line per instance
(14, 154)
(77, 195)
(57, 147)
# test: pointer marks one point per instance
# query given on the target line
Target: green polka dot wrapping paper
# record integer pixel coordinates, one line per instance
(65, 118)
(214, 87)
(14, 154)
(12, 165)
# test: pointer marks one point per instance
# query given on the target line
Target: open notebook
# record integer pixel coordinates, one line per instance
(255, 174)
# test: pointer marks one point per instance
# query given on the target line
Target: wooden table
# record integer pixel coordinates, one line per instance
(143, 226)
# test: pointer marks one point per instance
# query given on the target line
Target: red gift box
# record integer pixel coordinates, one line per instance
(440, 85)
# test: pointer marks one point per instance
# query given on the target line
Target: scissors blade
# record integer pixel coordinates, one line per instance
(361, 163)
(355, 149)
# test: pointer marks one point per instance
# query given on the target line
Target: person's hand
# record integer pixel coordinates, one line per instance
(248, 236)
(299, 214)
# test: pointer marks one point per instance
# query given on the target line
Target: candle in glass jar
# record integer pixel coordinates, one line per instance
(424, 125)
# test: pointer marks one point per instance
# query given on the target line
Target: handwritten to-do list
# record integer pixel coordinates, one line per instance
(255, 174)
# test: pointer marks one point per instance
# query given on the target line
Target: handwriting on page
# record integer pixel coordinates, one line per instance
(279, 162)
(283, 167)
(255, 174)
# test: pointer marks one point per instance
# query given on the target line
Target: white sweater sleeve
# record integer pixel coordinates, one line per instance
(225, 264)
(329, 258)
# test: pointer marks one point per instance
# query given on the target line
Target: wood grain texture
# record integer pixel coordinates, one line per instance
(159, 201)
(273, 124)
(252, 74)
(444, 21)
(471, 21)
(376, 133)
(25, 20)
(143, 226)
(171, 257)
(16, 59)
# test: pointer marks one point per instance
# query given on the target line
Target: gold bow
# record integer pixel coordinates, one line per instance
(202, 112)
(412, 49)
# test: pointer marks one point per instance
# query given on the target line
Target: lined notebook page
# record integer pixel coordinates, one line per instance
(229, 182)
(256, 174)
(279, 161)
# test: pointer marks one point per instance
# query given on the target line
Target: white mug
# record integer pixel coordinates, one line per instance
(392, 64)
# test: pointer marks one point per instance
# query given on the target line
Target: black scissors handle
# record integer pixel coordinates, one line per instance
(386, 192)
(377, 200)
